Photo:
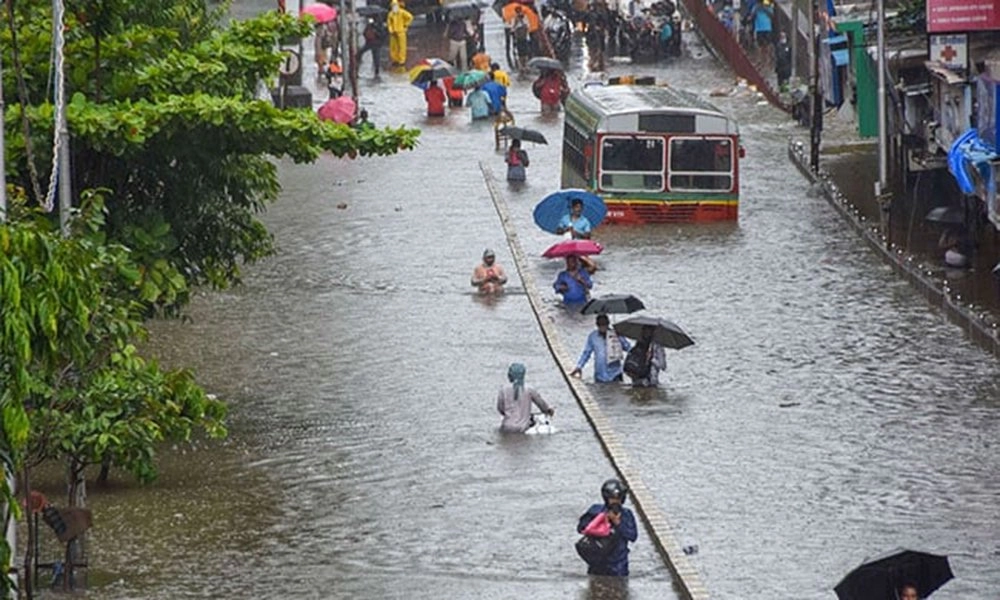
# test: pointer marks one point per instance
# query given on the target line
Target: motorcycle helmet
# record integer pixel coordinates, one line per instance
(613, 488)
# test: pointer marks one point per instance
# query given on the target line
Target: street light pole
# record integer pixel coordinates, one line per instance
(883, 168)
(816, 122)
(3, 176)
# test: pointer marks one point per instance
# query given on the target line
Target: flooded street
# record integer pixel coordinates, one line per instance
(825, 414)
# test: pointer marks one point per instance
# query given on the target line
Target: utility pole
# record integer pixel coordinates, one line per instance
(883, 167)
(794, 40)
(3, 176)
(816, 95)
(63, 179)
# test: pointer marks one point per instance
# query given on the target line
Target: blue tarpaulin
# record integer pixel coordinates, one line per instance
(970, 155)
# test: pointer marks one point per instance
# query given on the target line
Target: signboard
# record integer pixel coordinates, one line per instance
(962, 15)
(951, 51)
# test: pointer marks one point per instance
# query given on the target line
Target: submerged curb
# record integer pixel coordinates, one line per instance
(975, 327)
(686, 578)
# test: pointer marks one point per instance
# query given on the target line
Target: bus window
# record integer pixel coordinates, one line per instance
(631, 163)
(702, 164)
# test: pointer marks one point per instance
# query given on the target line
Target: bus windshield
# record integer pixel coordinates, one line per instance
(632, 163)
(701, 164)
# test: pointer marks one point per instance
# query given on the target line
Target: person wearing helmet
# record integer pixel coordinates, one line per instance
(623, 529)
(514, 402)
(489, 276)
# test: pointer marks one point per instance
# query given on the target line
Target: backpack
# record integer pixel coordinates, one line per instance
(636, 361)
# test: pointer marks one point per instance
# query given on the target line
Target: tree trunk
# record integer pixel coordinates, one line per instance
(77, 499)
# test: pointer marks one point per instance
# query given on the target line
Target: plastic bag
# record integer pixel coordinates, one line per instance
(599, 526)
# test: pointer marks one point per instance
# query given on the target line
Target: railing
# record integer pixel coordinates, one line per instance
(729, 49)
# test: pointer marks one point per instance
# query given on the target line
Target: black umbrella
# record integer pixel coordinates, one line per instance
(612, 304)
(520, 133)
(371, 10)
(544, 62)
(665, 333)
(946, 215)
(880, 578)
(462, 10)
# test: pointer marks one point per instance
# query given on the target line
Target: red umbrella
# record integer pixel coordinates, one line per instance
(573, 248)
(338, 110)
(321, 12)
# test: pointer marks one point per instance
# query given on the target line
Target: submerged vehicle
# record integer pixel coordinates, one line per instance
(653, 153)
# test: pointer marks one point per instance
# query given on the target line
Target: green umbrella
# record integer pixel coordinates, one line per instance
(470, 79)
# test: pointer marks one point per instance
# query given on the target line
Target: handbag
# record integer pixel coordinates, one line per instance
(596, 542)
(594, 550)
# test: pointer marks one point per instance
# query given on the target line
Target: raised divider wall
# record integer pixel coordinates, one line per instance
(658, 528)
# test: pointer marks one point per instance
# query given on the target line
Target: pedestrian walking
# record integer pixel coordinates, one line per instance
(374, 35)
(608, 350)
(623, 529)
(782, 61)
(514, 402)
(517, 161)
(397, 23)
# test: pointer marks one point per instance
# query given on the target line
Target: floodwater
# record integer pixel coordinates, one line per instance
(825, 414)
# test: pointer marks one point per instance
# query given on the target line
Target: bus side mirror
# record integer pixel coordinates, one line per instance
(743, 152)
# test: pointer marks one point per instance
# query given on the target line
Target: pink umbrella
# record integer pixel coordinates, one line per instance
(321, 12)
(573, 248)
(338, 110)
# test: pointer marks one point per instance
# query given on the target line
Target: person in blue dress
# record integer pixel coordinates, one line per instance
(608, 349)
(573, 282)
(575, 223)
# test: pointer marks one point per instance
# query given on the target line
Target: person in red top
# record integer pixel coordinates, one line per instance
(456, 96)
(551, 88)
(434, 96)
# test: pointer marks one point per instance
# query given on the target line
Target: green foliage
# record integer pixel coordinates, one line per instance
(73, 385)
(165, 118)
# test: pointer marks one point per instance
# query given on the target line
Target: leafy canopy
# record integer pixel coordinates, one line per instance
(164, 115)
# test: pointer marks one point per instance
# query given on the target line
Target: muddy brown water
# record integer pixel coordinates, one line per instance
(825, 413)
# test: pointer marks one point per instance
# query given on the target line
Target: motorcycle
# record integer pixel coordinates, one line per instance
(560, 34)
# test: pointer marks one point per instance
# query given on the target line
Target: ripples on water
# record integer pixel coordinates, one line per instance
(825, 413)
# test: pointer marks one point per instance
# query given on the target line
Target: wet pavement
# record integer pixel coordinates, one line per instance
(825, 414)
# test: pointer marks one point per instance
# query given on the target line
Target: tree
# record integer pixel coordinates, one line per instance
(165, 116)
(73, 385)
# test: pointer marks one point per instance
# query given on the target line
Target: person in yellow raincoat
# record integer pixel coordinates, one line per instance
(397, 22)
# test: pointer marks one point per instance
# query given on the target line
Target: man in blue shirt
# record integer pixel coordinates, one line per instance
(575, 222)
(623, 529)
(609, 353)
(573, 283)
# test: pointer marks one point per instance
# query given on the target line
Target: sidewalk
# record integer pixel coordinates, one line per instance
(969, 297)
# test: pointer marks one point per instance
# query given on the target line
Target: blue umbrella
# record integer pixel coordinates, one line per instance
(556, 205)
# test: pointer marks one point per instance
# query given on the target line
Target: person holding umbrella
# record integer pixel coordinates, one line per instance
(551, 89)
(579, 228)
(479, 104)
(435, 98)
(574, 222)
(645, 360)
(374, 35)
(517, 160)
(608, 351)
(573, 282)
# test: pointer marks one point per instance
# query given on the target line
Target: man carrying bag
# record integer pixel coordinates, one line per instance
(608, 555)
